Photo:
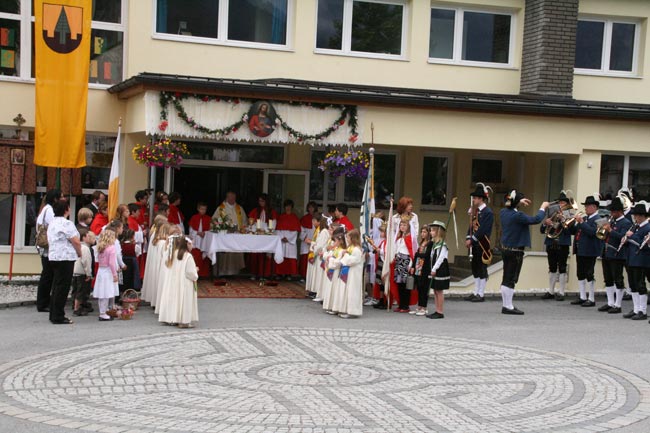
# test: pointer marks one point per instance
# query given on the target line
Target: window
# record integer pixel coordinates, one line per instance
(639, 177)
(106, 41)
(350, 190)
(10, 25)
(606, 47)
(236, 22)
(462, 36)
(247, 153)
(625, 171)
(362, 27)
(487, 170)
(611, 175)
(435, 181)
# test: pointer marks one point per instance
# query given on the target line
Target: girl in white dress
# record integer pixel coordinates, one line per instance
(322, 283)
(352, 283)
(152, 264)
(310, 242)
(106, 287)
(178, 301)
(331, 298)
(318, 247)
(164, 272)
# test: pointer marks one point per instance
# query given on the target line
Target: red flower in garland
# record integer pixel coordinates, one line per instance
(342, 122)
(178, 94)
(353, 138)
(205, 98)
(163, 125)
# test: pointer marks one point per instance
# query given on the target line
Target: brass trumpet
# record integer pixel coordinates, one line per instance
(570, 222)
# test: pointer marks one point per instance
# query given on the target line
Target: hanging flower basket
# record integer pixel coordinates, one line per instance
(348, 163)
(160, 153)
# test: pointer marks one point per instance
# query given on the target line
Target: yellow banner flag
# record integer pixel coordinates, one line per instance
(62, 43)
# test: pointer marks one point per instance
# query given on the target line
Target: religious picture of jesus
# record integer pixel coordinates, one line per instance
(261, 119)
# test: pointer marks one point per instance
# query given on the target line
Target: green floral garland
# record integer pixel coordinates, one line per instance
(348, 113)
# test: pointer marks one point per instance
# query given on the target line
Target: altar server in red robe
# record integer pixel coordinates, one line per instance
(199, 224)
(288, 229)
(259, 264)
(341, 213)
(176, 217)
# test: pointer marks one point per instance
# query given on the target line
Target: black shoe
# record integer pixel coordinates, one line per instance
(578, 301)
(43, 310)
(559, 297)
(65, 321)
(380, 306)
(627, 297)
(548, 295)
(614, 310)
(513, 312)
(478, 299)
(470, 297)
(639, 316)
(80, 312)
(588, 303)
(436, 315)
(603, 308)
(629, 315)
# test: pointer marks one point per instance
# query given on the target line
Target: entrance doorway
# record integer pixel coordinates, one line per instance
(210, 185)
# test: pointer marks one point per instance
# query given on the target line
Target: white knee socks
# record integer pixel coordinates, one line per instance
(592, 290)
(506, 296)
(482, 282)
(552, 279)
(611, 290)
(635, 301)
(563, 280)
(643, 303)
(583, 291)
(619, 297)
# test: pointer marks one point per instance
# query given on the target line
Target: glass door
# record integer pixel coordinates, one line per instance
(281, 185)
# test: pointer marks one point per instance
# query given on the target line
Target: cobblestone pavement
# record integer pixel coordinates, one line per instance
(291, 379)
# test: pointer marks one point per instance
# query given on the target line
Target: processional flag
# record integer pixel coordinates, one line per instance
(62, 43)
(114, 178)
(368, 205)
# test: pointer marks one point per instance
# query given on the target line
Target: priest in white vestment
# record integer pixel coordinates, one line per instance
(231, 263)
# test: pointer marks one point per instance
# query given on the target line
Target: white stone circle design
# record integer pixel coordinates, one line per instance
(318, 380)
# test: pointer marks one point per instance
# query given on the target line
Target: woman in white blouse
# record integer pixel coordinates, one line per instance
(45, 217)
(64, 248)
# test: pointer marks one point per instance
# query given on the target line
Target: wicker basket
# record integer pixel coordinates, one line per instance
(126, 314)
(130, 299)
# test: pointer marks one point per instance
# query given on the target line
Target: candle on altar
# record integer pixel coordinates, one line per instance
(259, 224)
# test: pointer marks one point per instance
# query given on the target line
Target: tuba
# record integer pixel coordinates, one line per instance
(601, 232)
(559, 214)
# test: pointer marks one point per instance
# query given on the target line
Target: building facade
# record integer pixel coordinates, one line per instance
(538, 95)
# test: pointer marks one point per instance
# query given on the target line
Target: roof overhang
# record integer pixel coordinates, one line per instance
(339, 93)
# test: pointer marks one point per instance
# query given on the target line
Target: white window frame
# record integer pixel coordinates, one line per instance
(450, 177)
(339, 193)
(346, 40)
(607, 48)
(457, 56)
(26, 19)
(222, 31)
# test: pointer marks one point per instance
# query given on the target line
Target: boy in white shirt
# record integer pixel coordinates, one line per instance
(83, 273)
